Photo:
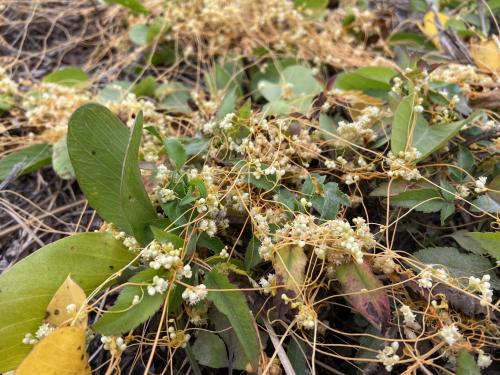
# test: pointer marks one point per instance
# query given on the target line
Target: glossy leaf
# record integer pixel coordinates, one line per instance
(24, 161)
(372, 304)
(27, 288)
(63, 353)
(234, 306)
(124, 316)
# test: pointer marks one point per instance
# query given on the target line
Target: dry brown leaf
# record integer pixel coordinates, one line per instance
(69, 293)
(61, 353)
(486, 55)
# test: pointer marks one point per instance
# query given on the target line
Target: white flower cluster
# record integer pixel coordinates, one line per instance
(483, 360)
(267, 283)
(227, 121)
(462, 191)
(43, 331)
(113, 343)
(350, 179)
(7, 85)
(408, 315)
(484, 287)
(165, 195)
(404, 164)
(208, 226)
(388, 356)
(450, 334)
(384, 263)
(480, 184)
(195, 295)
(159, 286)
(426, 276)
(306, 316)
(360, 128)
(266, 248)
(161, 255)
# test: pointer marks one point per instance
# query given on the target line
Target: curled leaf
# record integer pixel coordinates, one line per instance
(358, 281)
(60, 353)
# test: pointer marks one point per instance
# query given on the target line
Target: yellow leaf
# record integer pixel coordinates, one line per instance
(486, 55)
(61, 353)
(289, 264)
(69, 294)
(430, 27)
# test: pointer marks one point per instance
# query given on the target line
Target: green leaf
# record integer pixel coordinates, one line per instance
(372, 80)
(60, 160)
(429, 138)
(209, 350)
(463, 238)
(296, 352)
(101, 155)
(328, 205)
(447, 210)
(138, 34)
(166, 237)
(24, 161)
(71, 77)
(466, 365)
(373, 305)
(176, 152)
(411, 39)
(252, 257)
(311, 4)
(457, 263)
(145, 87)
(228, 104)
(414, 198)
(27, 288)
(133, 5)
(290, 267)
(465, 160)
(234, 305)
(134, 199)
(174, 97)
(401, 124)
(489, 241)
(124, 316)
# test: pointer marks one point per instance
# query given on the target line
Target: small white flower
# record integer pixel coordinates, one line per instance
(195, 295)
(388, 356)
(71, 308)
(136, 300)
(418, 108)
(483, 360)
(480, 184)
(408, 315)
(450, 334)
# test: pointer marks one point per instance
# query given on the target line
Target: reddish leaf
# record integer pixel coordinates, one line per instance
(374, 306)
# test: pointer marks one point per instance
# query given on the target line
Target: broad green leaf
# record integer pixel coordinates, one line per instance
(457, 263)
(489, 241)
(134, 199)
(466, 364)
(373, 305)
(145, 87)
(328, 205)
(465, 160)
(372, 80)
(27, 288)
(107, 169)
(415, 198)
(466, 241)
(297, 353)
(166, 237)
(429, 138)
(401, 124)
(410, 39)
(209, 350)
(97, 144)
(138, 34)
(176, 152)
(487, 202)
(290, 265)
(124, 316)
(60, 160)
(72, 77)
(228, 104)
(234, 305)
(24, 161)
(133, 5)
(62, 353)
(302, 81)
(447, 210)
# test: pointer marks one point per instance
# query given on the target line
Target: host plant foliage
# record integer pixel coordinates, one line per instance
(276, 217)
